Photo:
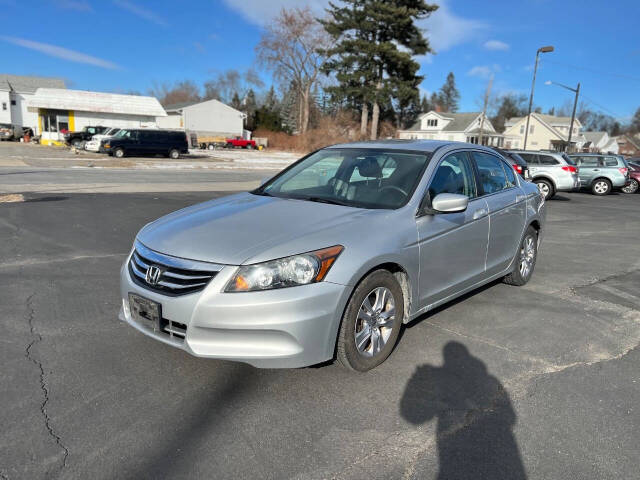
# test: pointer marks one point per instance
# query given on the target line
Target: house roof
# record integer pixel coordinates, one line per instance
(459, 121)
(633, 141)
(81, 100)
(24, 84)
(594, 137)
(549, 119)
(174, 107)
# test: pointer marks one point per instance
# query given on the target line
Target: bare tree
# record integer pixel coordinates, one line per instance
(185, 91)
(292, 47)
(224, 85)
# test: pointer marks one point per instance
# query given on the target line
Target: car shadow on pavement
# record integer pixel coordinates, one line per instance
(474, 414)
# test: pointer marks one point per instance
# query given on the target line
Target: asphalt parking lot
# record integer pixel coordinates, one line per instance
(540, 381)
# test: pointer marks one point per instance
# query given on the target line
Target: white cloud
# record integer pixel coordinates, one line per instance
(60, 52)
(496, 45)
(141, 12)
(484, 71)
(444, 28)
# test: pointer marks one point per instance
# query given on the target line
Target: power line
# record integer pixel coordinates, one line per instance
(594, 70)
(614, 114)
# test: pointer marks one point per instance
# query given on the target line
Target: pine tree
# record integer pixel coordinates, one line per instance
(249, 107)
(372, 54)
(425, 105)
(290, 110)
(449, 95)
(235, 102)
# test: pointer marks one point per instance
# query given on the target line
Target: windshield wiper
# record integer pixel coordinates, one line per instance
(323, 200)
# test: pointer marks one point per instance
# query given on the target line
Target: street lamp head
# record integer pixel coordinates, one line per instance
(548, 48)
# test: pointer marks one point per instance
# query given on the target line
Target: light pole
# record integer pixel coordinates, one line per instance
(575, 105)
(546, 49)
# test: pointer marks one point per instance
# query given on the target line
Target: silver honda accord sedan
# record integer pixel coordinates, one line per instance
(329, 258)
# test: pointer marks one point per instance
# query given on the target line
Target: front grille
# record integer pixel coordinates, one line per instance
(177, 276)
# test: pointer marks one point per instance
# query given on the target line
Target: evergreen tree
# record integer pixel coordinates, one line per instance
(271, 100)
(235, 102)
(250, 106)
(436, 102)
(425, 105)
(290, 109)
(449, 95)
(374, 41)
(635, 122)
(509, 106)
(551, 111)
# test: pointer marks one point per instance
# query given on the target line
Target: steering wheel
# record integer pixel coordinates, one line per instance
(393, 187)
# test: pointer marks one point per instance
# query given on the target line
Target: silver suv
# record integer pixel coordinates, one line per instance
(601, 173)
(552, 171)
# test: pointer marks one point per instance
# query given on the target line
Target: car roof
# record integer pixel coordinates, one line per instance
(429, 146)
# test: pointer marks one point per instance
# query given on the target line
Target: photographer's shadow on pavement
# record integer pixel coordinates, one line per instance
(474, 413)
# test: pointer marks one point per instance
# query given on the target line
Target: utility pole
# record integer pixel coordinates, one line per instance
(575, 106)
(484, 109)
(533, 86)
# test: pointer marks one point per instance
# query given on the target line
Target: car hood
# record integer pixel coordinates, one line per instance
(248, 228)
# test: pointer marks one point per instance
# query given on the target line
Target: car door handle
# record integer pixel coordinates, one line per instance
(596, 169)
(481, 212)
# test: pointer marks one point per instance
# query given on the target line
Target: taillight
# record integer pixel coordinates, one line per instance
(517, 168)
(623, 171)
(570, 169)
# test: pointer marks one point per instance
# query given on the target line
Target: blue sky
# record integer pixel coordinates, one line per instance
(123, 45)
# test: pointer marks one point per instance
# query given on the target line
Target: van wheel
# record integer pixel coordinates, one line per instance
(118, 153)
(173, 153)
(546, 188)
(211, 146)
(601, 186)
(78, 144)
(525, 259)
(371, 322)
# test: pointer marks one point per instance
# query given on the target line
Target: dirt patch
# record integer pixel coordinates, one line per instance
(12, 198)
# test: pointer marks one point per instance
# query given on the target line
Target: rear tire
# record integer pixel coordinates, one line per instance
(373, 317)
(631, 187)
(211, 146)
(118, 153)
(525, 259)
(601, 186)
(546, 187)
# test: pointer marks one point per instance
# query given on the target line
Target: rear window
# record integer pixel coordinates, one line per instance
(568, 159)
(518, 159)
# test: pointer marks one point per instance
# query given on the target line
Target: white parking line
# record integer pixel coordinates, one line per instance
(619, 293)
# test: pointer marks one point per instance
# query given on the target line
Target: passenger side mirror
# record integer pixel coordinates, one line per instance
(449, 203)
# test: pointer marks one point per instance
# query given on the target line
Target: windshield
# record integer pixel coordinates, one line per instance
(124, 134)
(364, 178)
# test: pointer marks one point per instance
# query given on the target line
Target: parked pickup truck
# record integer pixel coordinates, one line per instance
(77, 139)
(240, 143)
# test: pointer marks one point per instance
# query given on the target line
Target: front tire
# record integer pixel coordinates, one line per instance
(631, 187)
(174, 154)
(525, 259)
(118, 153)
(546, 187)
(601, 186)
(371, 322)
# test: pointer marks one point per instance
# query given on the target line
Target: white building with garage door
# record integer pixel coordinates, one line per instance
(62, 110)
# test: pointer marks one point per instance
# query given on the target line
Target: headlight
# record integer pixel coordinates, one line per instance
(285, 272)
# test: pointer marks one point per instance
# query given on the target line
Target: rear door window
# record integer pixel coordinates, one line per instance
(588, 162)
(492, 176)
(547, 160)
(610, 161)
(530, 158)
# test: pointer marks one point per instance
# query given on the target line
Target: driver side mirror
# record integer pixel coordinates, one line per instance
(445, 203)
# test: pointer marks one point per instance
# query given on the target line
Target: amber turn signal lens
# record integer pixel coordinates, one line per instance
(326, 256)
(241, 284)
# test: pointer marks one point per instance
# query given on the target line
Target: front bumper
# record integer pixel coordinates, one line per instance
(92, 146)
(283, 328)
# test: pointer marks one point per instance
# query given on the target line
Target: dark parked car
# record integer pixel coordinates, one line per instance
(634, 177)
(518, 163)
(77, 139)
(142, 142)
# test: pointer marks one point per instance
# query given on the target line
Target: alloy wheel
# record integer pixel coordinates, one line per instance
(631, 187)
(527, 256)
(601, 187)
(544, 188)
(375, 321)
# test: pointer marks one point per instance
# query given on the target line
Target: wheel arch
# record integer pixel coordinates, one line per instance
(601, 177)
(547, 178)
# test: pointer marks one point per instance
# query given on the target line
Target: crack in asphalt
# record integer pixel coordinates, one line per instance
(37, 338)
